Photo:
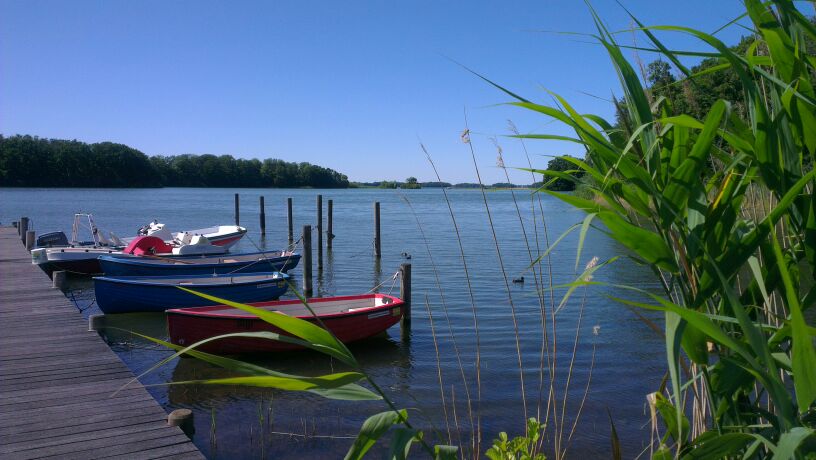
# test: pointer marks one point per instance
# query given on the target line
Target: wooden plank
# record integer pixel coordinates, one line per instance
(98, 434)
(45, 416)
(87, 425)
(164, 452)
(146, 448)
(57, 380)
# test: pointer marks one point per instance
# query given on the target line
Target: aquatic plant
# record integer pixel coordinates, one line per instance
(734, 247)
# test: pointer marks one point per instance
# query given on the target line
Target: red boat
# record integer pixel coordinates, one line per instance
(350, 318)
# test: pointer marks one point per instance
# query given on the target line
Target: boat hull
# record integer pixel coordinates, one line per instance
(137, 266)
(188, 326)
(82, 261)
(153, 294)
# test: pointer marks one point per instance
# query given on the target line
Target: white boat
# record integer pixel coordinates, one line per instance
(224, 236)
(80, 257)
(83, 259)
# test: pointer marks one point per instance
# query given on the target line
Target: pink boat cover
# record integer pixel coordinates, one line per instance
(148, 245)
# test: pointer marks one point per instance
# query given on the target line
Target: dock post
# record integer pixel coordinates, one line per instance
(263, 217)
(377, 252)
(319, 232)
(29, 240)
(182, 418)
(96, 323)
(59, 279)
(307, 260)
(23, 228)
(405, 295)
(329, 234)
(289, 219)
(237, 211)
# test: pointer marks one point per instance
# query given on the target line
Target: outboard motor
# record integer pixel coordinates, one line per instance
(53, 239)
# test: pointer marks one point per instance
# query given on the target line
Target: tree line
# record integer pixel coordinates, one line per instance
(30, 161)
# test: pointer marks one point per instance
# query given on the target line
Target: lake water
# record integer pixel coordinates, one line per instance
(234, 422)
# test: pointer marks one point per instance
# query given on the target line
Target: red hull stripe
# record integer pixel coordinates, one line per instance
(226, 239)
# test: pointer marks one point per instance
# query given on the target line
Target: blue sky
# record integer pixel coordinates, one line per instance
(354, 86)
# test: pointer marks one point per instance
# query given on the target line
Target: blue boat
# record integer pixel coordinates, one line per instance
(125, 294)
(254, 262)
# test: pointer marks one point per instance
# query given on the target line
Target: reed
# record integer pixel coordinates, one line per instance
(730, 244)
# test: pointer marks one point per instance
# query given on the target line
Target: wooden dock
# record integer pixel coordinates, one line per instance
(56, 378)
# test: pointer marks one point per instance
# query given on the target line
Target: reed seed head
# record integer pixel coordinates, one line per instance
(499, 158)
(589, 266)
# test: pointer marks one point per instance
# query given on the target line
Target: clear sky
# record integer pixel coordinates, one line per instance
(354, 86)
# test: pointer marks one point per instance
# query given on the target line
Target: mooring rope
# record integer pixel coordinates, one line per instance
(393, 279)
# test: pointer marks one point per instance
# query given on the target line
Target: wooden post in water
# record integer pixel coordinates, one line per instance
(329, 234)
(59, 279)
(263, 217)
(377, 252)
(319, 232)
(307, 260)
(23, 228)
(182, 418)
(96, 323)
(405, 295)
(237, 211)
(289, 219)
(29, 240)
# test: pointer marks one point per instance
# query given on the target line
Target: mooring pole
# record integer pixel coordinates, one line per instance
(96, 323)
(23, 228)
(307, 260)
(377, 252)
(289, 219)
(29, 240)
(263, 217)
(319, 232)
(405, 295)
(237, 211)
(182, 418)
(329, 234)
(59, 279)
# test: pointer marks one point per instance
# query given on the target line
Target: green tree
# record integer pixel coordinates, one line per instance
(411, 183)
(562, 170)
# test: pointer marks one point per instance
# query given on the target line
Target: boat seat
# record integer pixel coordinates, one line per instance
(186, 237)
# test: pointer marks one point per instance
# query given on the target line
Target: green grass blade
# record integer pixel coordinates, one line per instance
(713, 445)
(582, 237)
(373, 428)
(349, 392)
(790, 441)
(325, 383)
(401, 444)
(803, 354)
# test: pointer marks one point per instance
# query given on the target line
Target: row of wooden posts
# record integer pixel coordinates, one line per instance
(329, 229)
(306, 259)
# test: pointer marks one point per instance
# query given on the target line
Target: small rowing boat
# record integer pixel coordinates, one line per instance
(349, 318)
(124, 294)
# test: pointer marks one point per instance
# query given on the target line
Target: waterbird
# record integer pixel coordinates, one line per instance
(520, 279)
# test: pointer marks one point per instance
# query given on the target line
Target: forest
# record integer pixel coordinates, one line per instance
(30, 161)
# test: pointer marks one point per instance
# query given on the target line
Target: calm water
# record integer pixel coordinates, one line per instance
(258, 423)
